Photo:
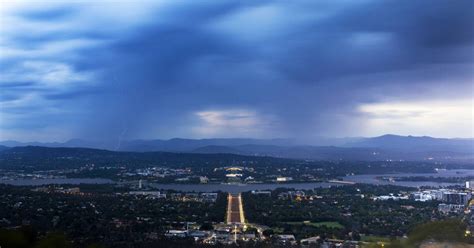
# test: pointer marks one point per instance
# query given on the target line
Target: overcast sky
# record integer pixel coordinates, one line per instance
(261, 69)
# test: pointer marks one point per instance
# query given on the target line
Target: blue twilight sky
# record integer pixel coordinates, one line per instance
(262, 69)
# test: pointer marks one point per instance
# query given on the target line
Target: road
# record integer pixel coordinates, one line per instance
(235, 211)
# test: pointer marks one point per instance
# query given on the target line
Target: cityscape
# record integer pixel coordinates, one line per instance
(228, 124)
(246, 204)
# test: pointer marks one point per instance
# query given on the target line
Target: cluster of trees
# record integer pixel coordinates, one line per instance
(443, 233)
(27, 237)
(44, 158)
(102, 217)
(350, 206)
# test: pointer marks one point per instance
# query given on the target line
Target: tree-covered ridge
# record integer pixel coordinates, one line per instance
(61, 158)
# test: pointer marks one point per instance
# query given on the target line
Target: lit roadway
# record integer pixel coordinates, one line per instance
(235, 211)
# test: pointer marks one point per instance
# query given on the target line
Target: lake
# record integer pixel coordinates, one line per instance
(235, 188)
(372, 179)
(46, 181)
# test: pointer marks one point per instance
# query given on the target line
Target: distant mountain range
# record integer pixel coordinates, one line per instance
(413, 143)
(174, 145)
(377, 148)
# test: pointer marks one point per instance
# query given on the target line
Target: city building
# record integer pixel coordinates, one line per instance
(209, 197)
(459, 198)
(203, 179)
(392, 197)
(450, 208)
(150, 194)
(234, 178)
(423, 196)
(284, 179)
(286, 239)
(310, 242)
(262, 192)
(176, 233)
(470, 185)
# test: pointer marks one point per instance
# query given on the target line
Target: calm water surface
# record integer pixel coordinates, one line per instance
(372, 179)
(37, 182)
(234, 188)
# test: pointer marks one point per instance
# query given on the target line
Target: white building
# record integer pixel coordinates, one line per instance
(391, 197)
(448, 208)
(176, 233)
(424, 196)
(284, 179)
(286, 239)
(469, 184)
(153, 194)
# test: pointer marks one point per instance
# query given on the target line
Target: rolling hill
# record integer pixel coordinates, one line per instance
(384, 147)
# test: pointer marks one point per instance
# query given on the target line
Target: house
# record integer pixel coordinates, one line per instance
(312, 241)
(198, 234)
(209, 197)
(262, 192)
(284, 179)
(176, 233)
(286, 239)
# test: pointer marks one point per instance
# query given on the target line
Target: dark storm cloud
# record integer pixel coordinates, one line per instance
(383, 36)
(266, 69)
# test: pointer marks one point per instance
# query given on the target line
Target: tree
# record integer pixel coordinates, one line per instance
(206, 227)
(54, 240)
(267, 233)
(447, 230)
(13, 238)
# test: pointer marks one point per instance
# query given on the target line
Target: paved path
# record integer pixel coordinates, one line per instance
(235, 211)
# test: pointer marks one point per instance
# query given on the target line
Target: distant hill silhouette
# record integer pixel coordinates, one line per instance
(377, 148)
(63, 157)
(413, 143)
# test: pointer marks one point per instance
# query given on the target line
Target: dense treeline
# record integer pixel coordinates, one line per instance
(62, 158)
(103, 217)
(444, 233)
(350, 206)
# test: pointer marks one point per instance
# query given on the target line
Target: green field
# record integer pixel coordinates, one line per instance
(372, 238)
(329, 224)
